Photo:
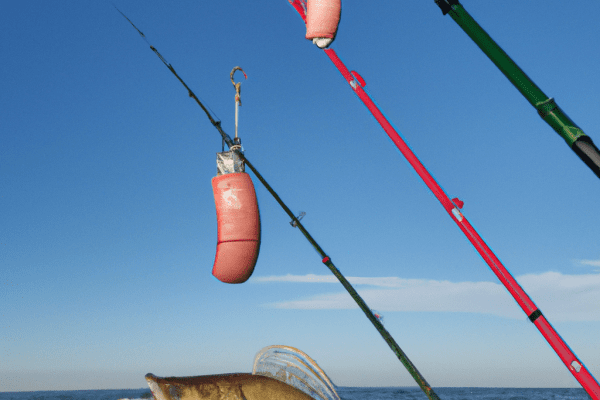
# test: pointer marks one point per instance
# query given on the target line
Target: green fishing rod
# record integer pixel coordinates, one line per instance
(410, 367)
(546, 107)
(235, 146)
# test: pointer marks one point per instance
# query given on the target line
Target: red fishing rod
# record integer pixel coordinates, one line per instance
(452, 207)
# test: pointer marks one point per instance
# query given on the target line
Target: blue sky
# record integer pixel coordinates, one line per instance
(108, 229)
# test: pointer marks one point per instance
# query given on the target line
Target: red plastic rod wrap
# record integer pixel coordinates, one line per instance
(238, 223)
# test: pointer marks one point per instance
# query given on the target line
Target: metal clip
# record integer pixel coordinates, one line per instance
(238, 100)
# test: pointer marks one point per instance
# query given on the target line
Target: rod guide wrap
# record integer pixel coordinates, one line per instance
(535, 315)
(446, 5)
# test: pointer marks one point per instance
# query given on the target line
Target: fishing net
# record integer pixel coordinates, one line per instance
(296, 368)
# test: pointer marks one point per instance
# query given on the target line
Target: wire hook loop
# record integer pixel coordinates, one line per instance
(237, 86)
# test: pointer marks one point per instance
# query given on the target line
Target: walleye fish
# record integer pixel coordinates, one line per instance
(241, 386)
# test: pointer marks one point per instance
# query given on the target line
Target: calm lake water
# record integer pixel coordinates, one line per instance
(346, 393)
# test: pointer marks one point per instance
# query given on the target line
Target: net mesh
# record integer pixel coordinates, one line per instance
(296, 368)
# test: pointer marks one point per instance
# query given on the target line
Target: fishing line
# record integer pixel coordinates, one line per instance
(217, 122)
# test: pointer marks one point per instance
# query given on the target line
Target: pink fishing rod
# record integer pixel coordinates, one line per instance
(452, 207)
